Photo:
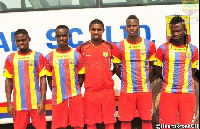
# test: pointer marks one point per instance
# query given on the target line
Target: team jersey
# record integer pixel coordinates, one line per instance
(98, 75)
(177, 63)
(135, 59)
(64, 67)
(25, 70)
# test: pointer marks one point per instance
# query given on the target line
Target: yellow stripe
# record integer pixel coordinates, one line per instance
(152, 58)
(7, 74)
(32, 83)
(195, 64)
(171, 69)
(72, 74)
(157, 62)
(143, 59)
(3, 110)
(187, 62)
(57, 74)
(17, 86)
(116, 60)
(82, 71)
(42, 72)
(128, 67)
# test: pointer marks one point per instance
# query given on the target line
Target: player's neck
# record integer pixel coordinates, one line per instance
(133, 39)
(63, 49)
(96, 42)
(24, 51)
(178, 43)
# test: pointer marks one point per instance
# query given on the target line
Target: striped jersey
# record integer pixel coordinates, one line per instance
(177, 63)
(25, 70)
(64, 67)
(135, 59)
(97, 60)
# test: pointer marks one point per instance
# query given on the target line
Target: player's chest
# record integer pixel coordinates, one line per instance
(179, 55)
(97, 54)
(136, 52)
(24, 62)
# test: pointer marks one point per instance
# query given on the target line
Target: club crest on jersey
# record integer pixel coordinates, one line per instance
(143, 52)
(188, 55)
(31, 62)
(105, 54)
(71, 61)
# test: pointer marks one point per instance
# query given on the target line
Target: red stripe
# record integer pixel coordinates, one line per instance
(67, 78)
(181, 72)
(138, 70)
(166, 46)
(124, 66)
(54, 79)
(27, 84)
(14, 91)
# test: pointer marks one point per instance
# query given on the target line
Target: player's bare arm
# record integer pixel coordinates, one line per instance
(158, 71)
(49, 80)
(43, 89)
(8, 90)
(193, 74)
(81, 79)
(117, 69)
(151, 69)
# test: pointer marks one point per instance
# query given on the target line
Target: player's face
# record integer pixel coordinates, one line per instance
(132, 27)
(22, 42)
(177, 32)
(62, 37)
(96, 31)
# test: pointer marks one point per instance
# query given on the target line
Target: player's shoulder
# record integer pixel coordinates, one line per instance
(83, 45)
(110, 44)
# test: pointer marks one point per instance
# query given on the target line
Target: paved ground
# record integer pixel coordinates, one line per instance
(136, 124)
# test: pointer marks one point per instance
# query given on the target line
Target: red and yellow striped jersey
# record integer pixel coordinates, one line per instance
(25, 70)
(135, 59)
(177, 63)
(64, 67)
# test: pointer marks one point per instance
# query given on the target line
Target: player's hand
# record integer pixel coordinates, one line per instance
(41, 108)
(11, 109)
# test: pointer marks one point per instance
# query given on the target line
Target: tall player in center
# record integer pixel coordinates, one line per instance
(99, 96)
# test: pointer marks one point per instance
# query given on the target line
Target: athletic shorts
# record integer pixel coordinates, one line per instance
(130, 102)
(69, 112)
(99, 107)
(175, 108)
(22, 118)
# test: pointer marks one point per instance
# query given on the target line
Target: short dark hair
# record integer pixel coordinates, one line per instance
(96, 21)
(177, 19)
(132, 17)
(21, 31)
(62, 26)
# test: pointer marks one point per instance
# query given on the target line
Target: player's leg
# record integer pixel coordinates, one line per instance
(60, 110)
(108, 108)
(126, 109)
(38, 120)
(144, 108)
(21, 119)
(76, 112)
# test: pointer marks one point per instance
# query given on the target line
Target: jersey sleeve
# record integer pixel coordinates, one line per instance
(48, 67)
(195, 58)
(78, 49)
(7, 69)
(80, 65)
(158, 57)
(152, 51)
(116, 54)
(41, 67)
